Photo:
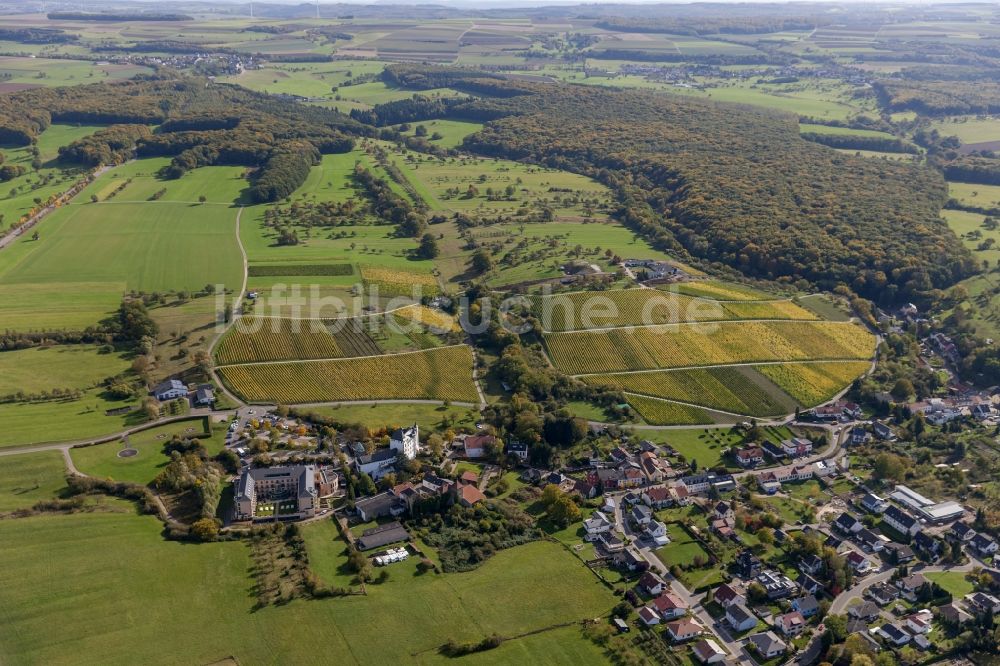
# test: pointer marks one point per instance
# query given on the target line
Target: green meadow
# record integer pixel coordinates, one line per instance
(970, 129)
(119, 590)
(56, 72)
(61, 420)
(975, 195)
(26, 479)
(452, 131)
(103, 460)
(40, 369)
(88, 254)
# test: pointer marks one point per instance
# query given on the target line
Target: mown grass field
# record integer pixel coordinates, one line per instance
(56, 72)
(434, 374)
(131, 578)
(648, 348)
(452, 131)
(970, 129)
(103, 460)
(61, 420)
(60, 367)
(26, 479)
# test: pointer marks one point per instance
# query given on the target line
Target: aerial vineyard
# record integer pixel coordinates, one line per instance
(436, 374)
(268, 270)
(768, 310)
(813, 383)
(395, 282)
(276, 339)
(644, 307)
(725, 389)
(434, 319)
(652, 347)
(722, 291)
(661, 412)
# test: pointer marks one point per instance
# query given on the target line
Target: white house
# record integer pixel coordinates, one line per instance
(170, 389)
(597, 524)
(684, 629)
(708, 651)
(406, 441)
(901, 521)
(376, 464)
(657, 532)
(740, 618)
(767, 644)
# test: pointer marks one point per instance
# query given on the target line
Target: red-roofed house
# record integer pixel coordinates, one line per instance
(469, 495)
(476, 446)
(791, 624)
(468, 476)
(684, 629)
(726, 594)
(669, 605)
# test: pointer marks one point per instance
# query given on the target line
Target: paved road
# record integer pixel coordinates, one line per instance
(843, 600)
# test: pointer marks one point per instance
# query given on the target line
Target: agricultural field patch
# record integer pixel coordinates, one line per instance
(644, 307)
(975, 195)
(398, 282)
(721, 291)
(662, 412)
(435, 374)
(813, 383)
(647, 348)
(727, 389)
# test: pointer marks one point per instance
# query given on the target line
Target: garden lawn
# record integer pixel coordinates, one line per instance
(952, 581)
(103, 461)
(29, 478)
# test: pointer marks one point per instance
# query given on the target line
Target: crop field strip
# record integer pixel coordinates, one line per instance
(271, 270)
(642, 307)
(663, 412)
(256, 339)
(813, 383)
(717, 343)
(436, 374)
(730, 389)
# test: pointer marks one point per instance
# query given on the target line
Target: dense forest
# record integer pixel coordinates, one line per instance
(936, 98)
(197, 127)
(738, 188)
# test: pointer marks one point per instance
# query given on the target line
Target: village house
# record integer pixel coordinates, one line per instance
(654, 469)
(983, 545)
(378, 506)
(848, 524)
(808, 583)
(767, 644)
(858, 562)
(630, 559)
(657, 497)
(882, 431)
(597, 524)
(376, 464)
(873, 503)
(768, 482)
(203, 397)
(739, 617)
(777, 584)
(866, 611)
(517, 449)
(811, 564)
(649, 616)
(478, 446)
(610, 542)
(641, 515)
(725, 595)
(898, 553)
(894, 635)
(953, 615)
(909, 587)
(796, 447)
(807, 605)
(747, 564)
(700, 483)
(669, 606)
(927, 544)
(901, 521)
(684, 629)
(656, 532)
(981, 603)
(869, 541)
(470, 495)
(652, 584)
(859, 435)
(962, 532)
(170, 389)
(919, 622)
(749, 456)
(707, 651)
(790, 624)
(723, 511)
